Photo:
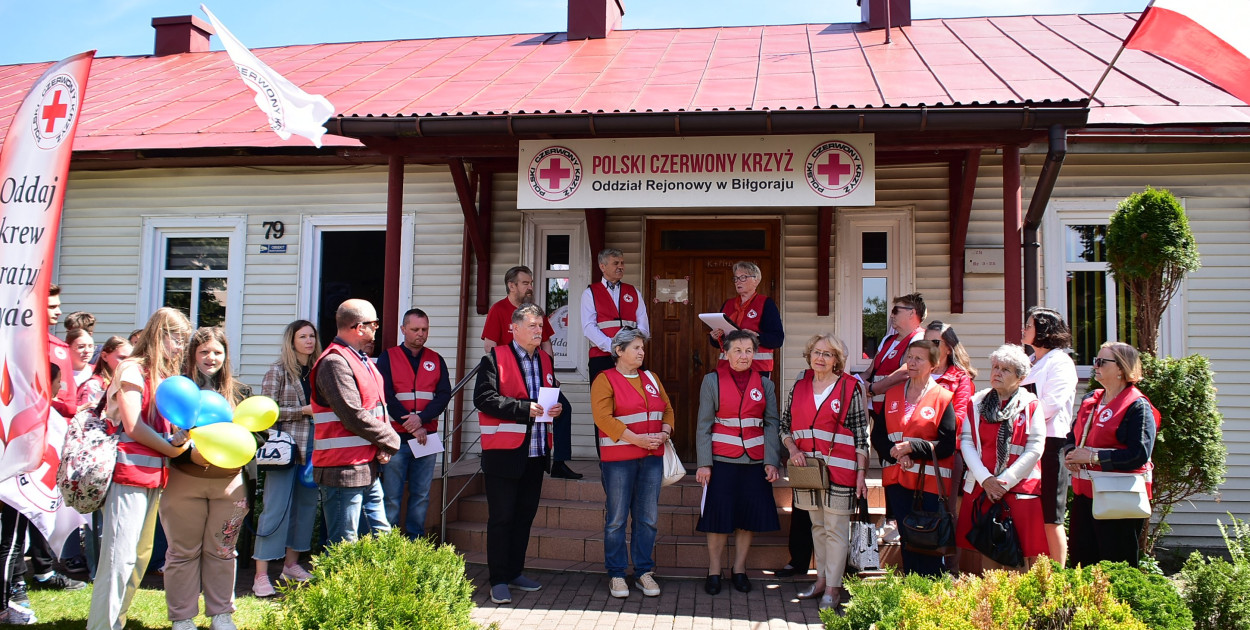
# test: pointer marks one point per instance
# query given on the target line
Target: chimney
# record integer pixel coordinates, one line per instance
(181, 34)
(594, 19)
(873, 13)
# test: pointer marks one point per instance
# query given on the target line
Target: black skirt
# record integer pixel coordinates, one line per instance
(738, 497)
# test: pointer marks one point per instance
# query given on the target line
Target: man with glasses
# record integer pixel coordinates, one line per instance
(351, 434)
(754, 312)
(888, 365)
(608, 306)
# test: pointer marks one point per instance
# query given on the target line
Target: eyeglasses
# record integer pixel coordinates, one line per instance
(822, 354)
(742, 278)
(895, 310)
(374, 323)
(1099, 361)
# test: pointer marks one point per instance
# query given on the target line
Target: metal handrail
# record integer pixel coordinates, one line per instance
(450, 429)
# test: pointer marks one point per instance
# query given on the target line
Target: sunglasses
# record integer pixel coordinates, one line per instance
(896, 309)
(1099, 361)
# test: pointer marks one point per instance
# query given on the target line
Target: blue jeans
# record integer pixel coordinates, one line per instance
(287, 518)
(417, 473)
(632, 487)
(344, 506)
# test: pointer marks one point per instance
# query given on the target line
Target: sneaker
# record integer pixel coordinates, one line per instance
(500, 594)
(261, 586)
(647, 584)
(184, 624)
(222, 621)
(17, 594)
(525, 584)
(296, 573)
(59, 581)
(18, 616)
(618, 588)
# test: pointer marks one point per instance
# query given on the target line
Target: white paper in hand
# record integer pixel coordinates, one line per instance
(547, 398)
(433, 445)
(718, 321)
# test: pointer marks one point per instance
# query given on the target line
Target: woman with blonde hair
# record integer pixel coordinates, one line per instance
(147, 439)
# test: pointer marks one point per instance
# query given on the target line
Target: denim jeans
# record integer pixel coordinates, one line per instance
(632, 487)
(415, 472)
(344, 506)
(287, 518)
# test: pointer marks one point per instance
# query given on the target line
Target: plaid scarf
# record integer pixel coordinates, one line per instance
(995, 412)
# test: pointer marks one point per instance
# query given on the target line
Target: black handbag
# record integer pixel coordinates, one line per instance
(925, 532)
(993, 532)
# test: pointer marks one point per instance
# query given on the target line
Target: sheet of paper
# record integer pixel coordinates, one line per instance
(703, 500)
(547, 397)
(718, 321)
(433, 444)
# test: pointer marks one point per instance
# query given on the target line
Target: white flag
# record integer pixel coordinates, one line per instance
(290, 109)
(36, 495)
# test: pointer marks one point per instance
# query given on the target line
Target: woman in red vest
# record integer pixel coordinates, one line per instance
(754, 312)
(129, 510)
(1002, 444)
(738, 453)
(633, 418)
(827, 421)
(1114, 430)
(113, 352)
(919, 429)
(954, 372)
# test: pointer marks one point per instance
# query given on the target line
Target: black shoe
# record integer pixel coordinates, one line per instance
(788, 571)
(712, 585)
(76, 565)
(17, 593)
(741, 583)
(59, 581)
(561, 470)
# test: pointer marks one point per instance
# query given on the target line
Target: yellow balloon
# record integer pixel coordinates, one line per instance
(224, 444)
(256, 413)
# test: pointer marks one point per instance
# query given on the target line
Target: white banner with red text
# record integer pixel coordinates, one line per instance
(807, 170)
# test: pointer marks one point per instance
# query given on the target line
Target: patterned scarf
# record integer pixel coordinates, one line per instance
(1001, 413)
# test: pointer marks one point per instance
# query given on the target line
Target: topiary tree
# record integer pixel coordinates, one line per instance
(1150, 248)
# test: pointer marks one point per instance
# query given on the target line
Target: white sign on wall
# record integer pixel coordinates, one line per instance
(807, 170)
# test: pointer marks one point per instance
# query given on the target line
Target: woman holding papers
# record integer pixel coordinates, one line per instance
(754, 312)
(633, 418)
(738, 451)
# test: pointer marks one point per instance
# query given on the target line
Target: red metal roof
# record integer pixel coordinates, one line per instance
(194, 100)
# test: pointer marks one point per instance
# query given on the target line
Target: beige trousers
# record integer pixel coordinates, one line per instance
(201, 518)
(831, 542)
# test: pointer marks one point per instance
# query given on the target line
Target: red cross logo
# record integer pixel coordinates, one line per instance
(554, 174)
(54, 111)
(834, 169)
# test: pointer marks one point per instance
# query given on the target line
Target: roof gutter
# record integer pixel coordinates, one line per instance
(1055, 154)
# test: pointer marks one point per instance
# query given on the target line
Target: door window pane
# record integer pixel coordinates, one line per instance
(1087, 313)
(178, 294)
(875, 251)
(558, 252)
(874, 315)
(1085, 243)
(212, 310)
(197, 254)
(683, 240)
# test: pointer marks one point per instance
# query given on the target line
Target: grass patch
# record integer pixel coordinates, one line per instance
(68, 610)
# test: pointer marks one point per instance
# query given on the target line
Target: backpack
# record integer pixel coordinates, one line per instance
(87, 460)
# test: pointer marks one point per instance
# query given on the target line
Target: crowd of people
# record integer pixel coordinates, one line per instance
(359, 429)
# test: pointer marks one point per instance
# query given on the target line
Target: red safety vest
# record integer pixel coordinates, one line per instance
(986, 436)
(609, 316)
(641, 414)
(923, 424)
(137, 465)
(739, 426)
(415, 390)
(951, 380)
(506, 434)
(1102, 433)
(889, 359)
(333, 444)
(750, 320)
(64, 401)
(822, 432)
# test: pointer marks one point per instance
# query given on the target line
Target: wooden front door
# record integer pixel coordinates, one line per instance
(702, 252)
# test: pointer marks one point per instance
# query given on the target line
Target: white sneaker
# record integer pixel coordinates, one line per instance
(618, 588)
(223, 621)
(184, 624)
(16, 615)
(262, 587)
(296, 573)
(647, 584)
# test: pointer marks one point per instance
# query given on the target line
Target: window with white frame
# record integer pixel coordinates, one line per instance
(555, 247)
(874, 265)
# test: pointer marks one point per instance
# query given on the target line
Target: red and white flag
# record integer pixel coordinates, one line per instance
(36, 495)
(1210, 37)
(34, 167)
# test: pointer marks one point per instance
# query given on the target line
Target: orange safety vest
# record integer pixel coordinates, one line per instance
(137, 465)
(923, 424)
(333, 444)
(506, 434)
(415, 390)
(823, 432)
(749, 320)
(986, 436)
(889, 359)
(641, 414)
(1102, 433)
(739, 426)
(611, 317)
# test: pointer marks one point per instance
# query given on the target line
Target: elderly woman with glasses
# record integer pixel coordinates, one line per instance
(1114, 431)
(633, 419)
(754, 312)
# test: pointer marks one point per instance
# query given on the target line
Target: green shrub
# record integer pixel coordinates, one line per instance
(1218, 591)
(1153, 598)
(385, 581)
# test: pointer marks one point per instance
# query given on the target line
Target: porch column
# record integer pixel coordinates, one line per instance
(394, 230)
(1013, 314)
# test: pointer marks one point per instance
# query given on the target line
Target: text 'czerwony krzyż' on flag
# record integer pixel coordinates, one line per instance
(290, 109)
(1210, 37)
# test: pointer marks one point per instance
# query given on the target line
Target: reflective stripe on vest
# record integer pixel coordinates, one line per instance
(641, 414)
(137, 465)
(1102, 433)
(414, 390)
(763, 359)
(823, 432)
(889, 358)
(923, 424)
(333, 444)
(611, 317)
(506, 434)
(1031, 484)
(739, 426)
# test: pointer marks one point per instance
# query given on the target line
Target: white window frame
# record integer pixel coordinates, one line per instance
(536, 226)
(1097, 211)
(311, 228)
(156, 231)
(900, 271)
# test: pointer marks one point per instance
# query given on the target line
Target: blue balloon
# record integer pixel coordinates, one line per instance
(306, 475)
(178, 400)
(214, 408)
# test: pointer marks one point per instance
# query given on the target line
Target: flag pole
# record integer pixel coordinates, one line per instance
(1118, 52)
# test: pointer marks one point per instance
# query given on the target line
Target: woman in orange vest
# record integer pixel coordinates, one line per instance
(919, 429)
(147, 439)
(827, 421)
(1002, 444)
(955, 373)
(633, 418)
(738, 452)
(1114, 430)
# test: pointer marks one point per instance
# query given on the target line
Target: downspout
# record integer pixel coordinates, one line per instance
(1055, 154)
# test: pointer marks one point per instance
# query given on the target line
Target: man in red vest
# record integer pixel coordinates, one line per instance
(889, 365)
(516, 449)
(351, 436)
(414, 379)
(608, 306)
